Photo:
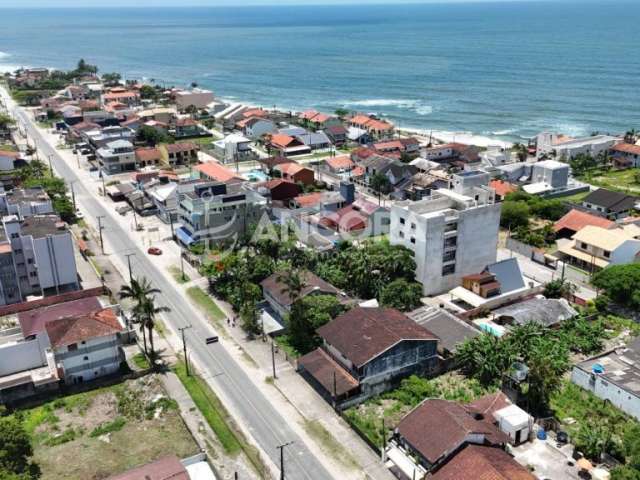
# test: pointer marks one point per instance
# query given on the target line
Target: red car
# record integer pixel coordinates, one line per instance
(154, 251)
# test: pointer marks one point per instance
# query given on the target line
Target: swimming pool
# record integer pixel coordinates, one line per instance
(256, 175)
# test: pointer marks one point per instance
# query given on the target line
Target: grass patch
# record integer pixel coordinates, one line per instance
(575, 198)
(620, 180)
(329, 444)
(284, 343)
(69, 435)
(210, 407)
(140, 360)
(108, 427)
(206, 303)
(176, 273)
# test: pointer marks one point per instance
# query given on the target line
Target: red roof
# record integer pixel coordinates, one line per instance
(308, 200)
(576, 220)
(182, 147)
(216, 171)
(186, 122)
(280, 140)
(290, 168)
(627, 148)
(32, 322)
(150, 154)
(341, 162)
(361, 334)
(254, 112)
(477, 462)
(389, 145)
(9, 153)
(502, 188)
(320, 118)
(78, 328)
(308, 115)
(329, 373)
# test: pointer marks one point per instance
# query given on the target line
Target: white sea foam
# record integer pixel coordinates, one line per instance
(381, 102)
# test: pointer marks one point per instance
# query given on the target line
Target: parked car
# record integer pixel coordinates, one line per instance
(123, 209)
(154, 251)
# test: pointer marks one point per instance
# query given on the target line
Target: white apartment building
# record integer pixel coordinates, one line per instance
(559, 146)
(117, 156)
(36, 258)
(25, 202)
(197, 97)
(452, 233)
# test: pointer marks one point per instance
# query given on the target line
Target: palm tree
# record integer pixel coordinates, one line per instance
(143, 294)
(293, 283)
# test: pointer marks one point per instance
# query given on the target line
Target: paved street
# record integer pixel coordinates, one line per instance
(245, 401)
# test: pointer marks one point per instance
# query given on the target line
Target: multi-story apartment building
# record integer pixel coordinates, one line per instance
(216, 212)
(452, 233)
(36, 258)
(25, 202)
(117, 156)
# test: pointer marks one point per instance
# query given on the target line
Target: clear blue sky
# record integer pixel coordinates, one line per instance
(182, 3)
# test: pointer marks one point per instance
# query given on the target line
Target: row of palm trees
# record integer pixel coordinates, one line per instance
(145, 309)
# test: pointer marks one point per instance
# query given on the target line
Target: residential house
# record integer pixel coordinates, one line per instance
(216, 172)
(233, 148)
(315, 140)
(502, 188)
(130, 98)
(274, 290)
(8, 160)
(159, 114)
(295, 172)
(611, 204)
(376, 128)
(359, 136)
(149, 156)
(340, 164)
(337, 134)
(366, 351)
(255, 128)
(321, 201)
(613, 376)
(495, 462)
(452, 234)
(626, 155)
(450, 330)
(187, 127)
(497, 284)
(547, 178)
(217, 212)
(278, 190)
(287, 145)
(594, 248)
(36, 258)
(171, 468)
(25, 202)
(116, 157)
(360, 217)
(563, 147)
(406, 146)
(184, 153)
(197, 97)
(457, 154)
(575, 220)
(548, 312)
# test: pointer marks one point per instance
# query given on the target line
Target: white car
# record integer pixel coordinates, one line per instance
(79, 215)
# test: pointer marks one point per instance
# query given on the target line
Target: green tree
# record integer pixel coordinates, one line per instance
(249, 316)
(16, 451)
(147, 92)
(514, 215)
(624, 472)
(380, 184)
(559, 288)
(341, 112)
(111, 79)
(582, 163)
(5, 121)
(621, 283)
(307, 315)
(150, 135)
(401, 294)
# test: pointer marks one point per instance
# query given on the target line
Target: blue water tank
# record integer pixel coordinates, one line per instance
(597, 368)
(542, 435)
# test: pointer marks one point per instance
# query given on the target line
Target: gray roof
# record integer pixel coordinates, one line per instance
(447, 327)
(621, 367)
(292, 131)
(317, 138)
(508, 273)
(39, 226)
(544, 311)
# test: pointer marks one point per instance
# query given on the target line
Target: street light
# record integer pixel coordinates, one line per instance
(129, 255)
(100, 227)
(73, 195)
(281, 448)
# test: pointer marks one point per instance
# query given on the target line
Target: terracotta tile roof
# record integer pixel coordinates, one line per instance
(276, 182)
(117, 95)
(254, 112)
(33, 321)
(308, 200)
(389, 145)
(357, 172)
(322, 367)
(74, 329)
(290, 168)
(362, 334)
(476, 462)
(216, 171)
(336, 130)
(502, 188)
(576, 220)
(186, 122)
(340, 162)
(489, 404)
(320, 118)
(280, 140)
(308, 115)
(627, 148)
(436, 427)
(150, 154)
(182, 147)
(9, 154)
(167, 468)
(312, 284)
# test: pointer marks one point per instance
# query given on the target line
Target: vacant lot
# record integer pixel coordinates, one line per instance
(99, 433)
(620, 180)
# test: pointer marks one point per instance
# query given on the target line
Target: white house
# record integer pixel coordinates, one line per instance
(197, 97)
(233, 148)
(559, 146)
(256, 127)
(117, 156)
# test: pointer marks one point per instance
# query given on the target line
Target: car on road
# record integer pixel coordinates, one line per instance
(154, 251)
(79, 215)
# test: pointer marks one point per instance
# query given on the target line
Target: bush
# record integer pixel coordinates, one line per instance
(621, 283)
(108, 427)
(514, 215)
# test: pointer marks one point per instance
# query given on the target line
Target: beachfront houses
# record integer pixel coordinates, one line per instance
(625, 155)
(552, 145)
(196, 98)
(611, 204)
(452, 233)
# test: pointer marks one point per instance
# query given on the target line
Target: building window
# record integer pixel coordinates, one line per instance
(402, 221)
(413, 226)
(85, 358)
(448, 269)
(584, 246)
(450, 242)
(413, 240)
(449, 256)
(72, 347)
(607, 254)
(401, 234)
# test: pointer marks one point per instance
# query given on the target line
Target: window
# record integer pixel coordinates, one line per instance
(413, 226)
(72, 347)
(30, 261)
(413, 240)
(85, 358)
(449, 256)
(33, 274)
(402, 221)
(448, 269)
(607, 254)
(584, 246)
(401, 234)
(450, 242)
(18, 250)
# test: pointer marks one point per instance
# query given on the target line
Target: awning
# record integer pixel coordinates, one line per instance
(269, 322)
(404, 463)
(585, 257)
(184, 236)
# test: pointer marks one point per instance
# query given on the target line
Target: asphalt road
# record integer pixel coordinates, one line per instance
(266, 424)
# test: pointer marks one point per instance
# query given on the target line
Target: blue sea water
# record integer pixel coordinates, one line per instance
(496, 69)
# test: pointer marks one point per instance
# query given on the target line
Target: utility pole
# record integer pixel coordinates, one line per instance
(281, 448)
(104, 189)
(129, 255)
(100, 227)
(73, 195)
(273, 360)
(182, 265)
(50, 167)
(184, 348)
(135, 219)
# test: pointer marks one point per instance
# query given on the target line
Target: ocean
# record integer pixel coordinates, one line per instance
(500, 70)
